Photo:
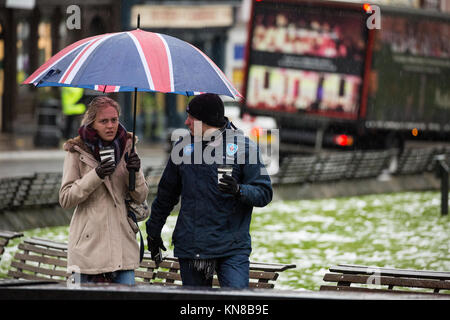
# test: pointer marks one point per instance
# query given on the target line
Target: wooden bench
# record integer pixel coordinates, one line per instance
(262, 275)
(13, 191)
(152, 176)
(332, 167)
(295, 169)
(5, 236)
(41, 259)
(386, 280)
(41, 189)
(416, 160)
(368, 164)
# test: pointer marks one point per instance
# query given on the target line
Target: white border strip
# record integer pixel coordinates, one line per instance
(169, 59)
(86, 55)
(219, 73)
(35, 79)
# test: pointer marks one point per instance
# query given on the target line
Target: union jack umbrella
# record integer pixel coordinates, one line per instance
(134, 61)
(123, 61)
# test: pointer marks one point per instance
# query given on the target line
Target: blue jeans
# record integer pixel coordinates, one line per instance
(232, 272)
(121, 277)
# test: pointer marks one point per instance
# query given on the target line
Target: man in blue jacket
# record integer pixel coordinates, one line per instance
(212, 229)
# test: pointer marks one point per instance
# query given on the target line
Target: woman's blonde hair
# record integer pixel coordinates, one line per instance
(95, 105)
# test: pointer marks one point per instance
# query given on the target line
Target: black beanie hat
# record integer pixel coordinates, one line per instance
(208, 108)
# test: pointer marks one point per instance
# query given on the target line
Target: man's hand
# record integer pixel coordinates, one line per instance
(229, 185)
(154, 246)
(105, 168)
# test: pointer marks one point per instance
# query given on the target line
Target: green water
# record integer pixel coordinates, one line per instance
(403, 230)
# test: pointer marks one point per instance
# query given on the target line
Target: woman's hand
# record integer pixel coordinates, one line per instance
(105, 168)
(133, 162)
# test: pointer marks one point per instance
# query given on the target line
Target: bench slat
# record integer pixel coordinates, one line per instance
(271, 267)
(145, 275)
(169, 265)
(263, 275)
(47, 243)
(48, 252)
(27, 276)
(261, 285)
(36, 269)
(10, 234)
(389, 281)
(149, 264)
(40, 259)
(168, 275)
(360, 289)
(356, 269)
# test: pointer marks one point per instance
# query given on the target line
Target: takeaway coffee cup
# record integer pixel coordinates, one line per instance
(107, 152)
(224, 169)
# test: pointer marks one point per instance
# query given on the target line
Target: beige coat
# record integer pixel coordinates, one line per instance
(100, 236)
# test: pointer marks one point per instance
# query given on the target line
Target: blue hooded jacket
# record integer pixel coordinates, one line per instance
(210, 224)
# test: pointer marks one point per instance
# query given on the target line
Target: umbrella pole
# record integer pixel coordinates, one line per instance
(132, 173)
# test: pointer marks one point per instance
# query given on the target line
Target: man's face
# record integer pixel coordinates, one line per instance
(106, 123)
(195, 126)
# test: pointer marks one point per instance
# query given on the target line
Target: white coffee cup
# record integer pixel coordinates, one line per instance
(107, 153)
(223, 170)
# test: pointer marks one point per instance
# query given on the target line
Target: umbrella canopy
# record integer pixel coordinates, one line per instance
(137, 59)
(133, 61)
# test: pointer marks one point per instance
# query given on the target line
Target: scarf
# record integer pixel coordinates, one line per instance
(95, 143)
(207, 266)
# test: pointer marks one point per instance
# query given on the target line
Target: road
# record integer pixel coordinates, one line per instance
(24, 163)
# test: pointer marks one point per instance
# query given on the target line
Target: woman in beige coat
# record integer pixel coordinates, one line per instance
(102, 243)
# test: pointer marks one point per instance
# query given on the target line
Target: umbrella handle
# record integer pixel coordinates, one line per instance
(132, 179)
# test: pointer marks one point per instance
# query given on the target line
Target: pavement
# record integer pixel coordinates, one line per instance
(19, 156)
(32, 290)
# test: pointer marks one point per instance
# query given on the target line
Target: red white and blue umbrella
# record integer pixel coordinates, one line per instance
(134, 61)
(125, 61)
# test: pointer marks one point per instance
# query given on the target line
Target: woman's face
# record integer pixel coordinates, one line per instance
(106, 123)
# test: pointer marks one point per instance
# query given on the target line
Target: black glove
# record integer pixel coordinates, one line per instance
(133, 162)
(229, 185)
(105, 168)
(154, 246)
